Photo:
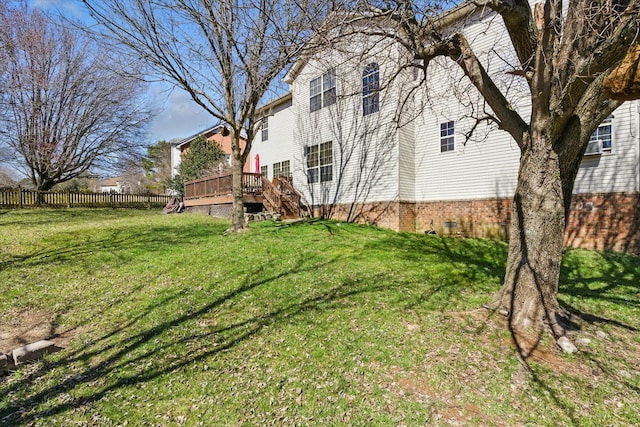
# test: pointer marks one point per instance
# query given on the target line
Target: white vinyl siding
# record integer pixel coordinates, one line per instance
(617, 169)
(405, 160)
(281, 138)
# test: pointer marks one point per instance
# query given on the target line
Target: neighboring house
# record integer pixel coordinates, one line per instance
(361, 146)
(116, 185)
(212, 134)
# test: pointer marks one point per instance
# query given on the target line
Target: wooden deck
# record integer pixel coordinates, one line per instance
(259, 194)
(217, 190)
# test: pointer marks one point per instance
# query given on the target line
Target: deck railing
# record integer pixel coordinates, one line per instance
(221, 185)
(21, 198)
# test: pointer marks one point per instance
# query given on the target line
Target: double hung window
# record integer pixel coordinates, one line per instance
(320, 162)
(265, 128)
(602, 136)
(447, 137)
(322, 91)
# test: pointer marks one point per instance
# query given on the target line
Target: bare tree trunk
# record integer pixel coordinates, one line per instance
(529, 292)
(237, 164)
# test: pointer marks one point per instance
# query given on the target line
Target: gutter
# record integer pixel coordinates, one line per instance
(455, 14)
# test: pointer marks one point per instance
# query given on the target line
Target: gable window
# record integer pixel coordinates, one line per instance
(320, 162)
(370, 89)
(601, 139)
(322, 91)
(447, 138)
(265, 128)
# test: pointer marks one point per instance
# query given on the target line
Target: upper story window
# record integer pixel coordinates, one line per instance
(601, 139)
(320, 162)
(322, 91)
(264, 170)
(447, 138)
(265, 128)
(370, 89)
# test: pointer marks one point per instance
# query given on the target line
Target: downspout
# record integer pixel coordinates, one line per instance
(638, 153)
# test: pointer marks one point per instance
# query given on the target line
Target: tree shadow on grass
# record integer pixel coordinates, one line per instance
(477, 260)
(603, 277)
(70, 250)
(119, 352)
(454, 265)
(121, 358)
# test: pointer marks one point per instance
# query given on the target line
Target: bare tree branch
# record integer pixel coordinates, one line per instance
(65, 108)
(226, 54)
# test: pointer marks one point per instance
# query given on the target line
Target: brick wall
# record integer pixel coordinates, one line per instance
(596, 221)
(607, 221)
(382, 214)
(407, 219)
(478, 218)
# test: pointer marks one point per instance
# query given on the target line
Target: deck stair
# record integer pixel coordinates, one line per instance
(281, 197)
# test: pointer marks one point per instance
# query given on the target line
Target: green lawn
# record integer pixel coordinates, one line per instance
(166, 321)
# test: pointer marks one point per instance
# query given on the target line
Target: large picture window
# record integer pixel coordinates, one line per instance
(320, 162)
(370, 89)
(447, 137)
(322, 91)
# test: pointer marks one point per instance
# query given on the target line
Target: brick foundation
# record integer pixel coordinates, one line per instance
(488, 218)
(606, 221)
(609, 221)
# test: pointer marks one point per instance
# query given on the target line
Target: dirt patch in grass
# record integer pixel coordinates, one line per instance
(19, 328)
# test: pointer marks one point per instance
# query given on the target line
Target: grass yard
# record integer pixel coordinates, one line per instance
(165, 321)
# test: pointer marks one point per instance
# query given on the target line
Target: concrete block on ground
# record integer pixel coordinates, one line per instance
(33, 351)
(4, 362)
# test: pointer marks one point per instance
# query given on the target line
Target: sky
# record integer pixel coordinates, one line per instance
(177, 115)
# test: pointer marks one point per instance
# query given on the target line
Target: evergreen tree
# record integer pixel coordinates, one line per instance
(200, 160)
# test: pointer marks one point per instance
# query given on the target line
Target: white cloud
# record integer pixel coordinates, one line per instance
(179, 116)
(66, 7)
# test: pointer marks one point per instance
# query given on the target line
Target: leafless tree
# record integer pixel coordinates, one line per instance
(6, 178)
(562, 51)
(64, 108)
(226, 54)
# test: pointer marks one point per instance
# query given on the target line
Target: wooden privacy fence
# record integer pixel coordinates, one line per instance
(19, 198)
